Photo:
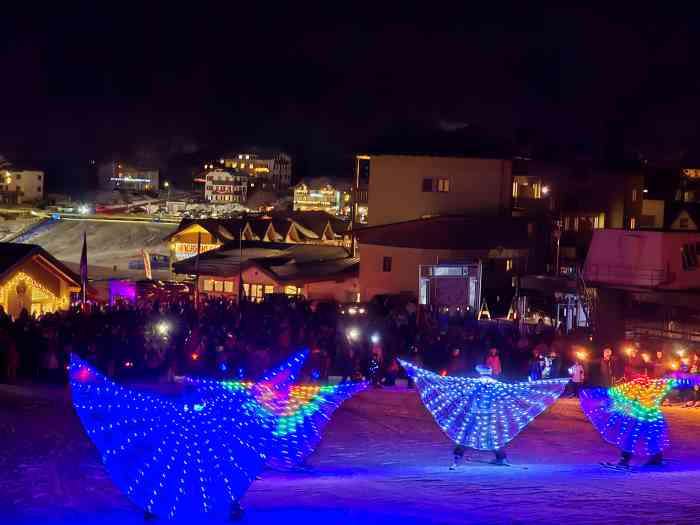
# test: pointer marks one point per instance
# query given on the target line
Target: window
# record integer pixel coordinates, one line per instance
(254, 292)
(218, 286)
(427, 185)
(292, 290)
(386, 264)
(208, 285)
(634, 194)
(39, 177)
(269, 289)
(443, 185)
(509, 265)
(228, 286)
(633, 223)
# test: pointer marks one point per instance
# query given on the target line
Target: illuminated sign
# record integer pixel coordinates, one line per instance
(692, 173)
(129, 179)
(185, 250)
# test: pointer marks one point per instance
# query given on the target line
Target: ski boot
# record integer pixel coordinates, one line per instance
(236, 512)
(500, 459)
(656, 460)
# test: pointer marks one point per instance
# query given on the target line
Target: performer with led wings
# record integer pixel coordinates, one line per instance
(196, 453)
(483, 413)
(629, 416)
(297, 413)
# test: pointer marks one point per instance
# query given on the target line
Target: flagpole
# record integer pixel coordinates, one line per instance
(196, 272)
(83, 271)
(240, 264)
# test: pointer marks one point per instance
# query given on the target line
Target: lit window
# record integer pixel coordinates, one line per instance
(269, 289)
(218, 286)
(427, 185)
(633, 223)
(250, 166)
(228, 286)
(240, 157)
(292, 290)
(386, 264)
(443, 185)
(634, 194)
(208, 285)
(247, 157)
(509, 265)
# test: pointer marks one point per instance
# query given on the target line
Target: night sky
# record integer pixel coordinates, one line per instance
(89, 82)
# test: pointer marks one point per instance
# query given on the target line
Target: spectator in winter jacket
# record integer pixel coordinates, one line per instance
(535, 366)
(493, 361)
(607, 367)
(659, 368)
(635, 365)
(577, 377)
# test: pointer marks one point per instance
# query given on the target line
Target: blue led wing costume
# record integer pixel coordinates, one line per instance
(184, 456)
(483, 413)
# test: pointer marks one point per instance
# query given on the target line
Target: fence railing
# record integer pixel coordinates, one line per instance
(631, 275)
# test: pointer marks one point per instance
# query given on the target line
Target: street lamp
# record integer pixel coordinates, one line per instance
(167, 185)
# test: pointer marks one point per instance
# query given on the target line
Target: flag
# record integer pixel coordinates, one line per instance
(147, 264)
(84, 269)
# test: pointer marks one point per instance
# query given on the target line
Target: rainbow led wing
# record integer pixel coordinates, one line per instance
(297, 414)
(629, 416)
(185, 456)
(483, 413)
(298, 427)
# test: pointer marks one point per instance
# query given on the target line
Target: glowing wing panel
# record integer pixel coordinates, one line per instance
(483, 413)
(629, 415)
(297, 415)
(190, 455)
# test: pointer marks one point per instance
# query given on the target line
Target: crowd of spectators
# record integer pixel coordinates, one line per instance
(157, 341)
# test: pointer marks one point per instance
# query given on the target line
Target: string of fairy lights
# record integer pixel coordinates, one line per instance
(28, 281)
(196, 453)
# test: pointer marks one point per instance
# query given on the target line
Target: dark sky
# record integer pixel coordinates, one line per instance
(85, 82)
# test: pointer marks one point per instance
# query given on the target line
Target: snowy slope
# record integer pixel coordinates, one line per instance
(383, 460)
(109, 244)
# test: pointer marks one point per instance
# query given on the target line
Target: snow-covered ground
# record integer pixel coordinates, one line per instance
(383, 460)
(13, 224)
(110, 244)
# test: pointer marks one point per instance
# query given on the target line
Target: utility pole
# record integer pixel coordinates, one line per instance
(196, 272)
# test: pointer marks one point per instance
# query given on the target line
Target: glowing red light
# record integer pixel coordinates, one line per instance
(443, 373)
(195, 356)
(83, 374)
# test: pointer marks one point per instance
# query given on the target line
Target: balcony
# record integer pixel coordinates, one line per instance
(647, 277)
